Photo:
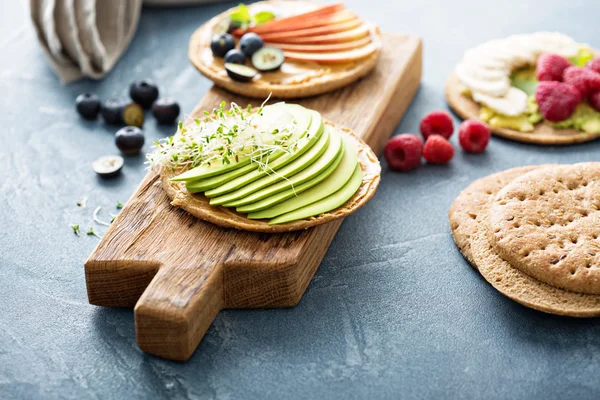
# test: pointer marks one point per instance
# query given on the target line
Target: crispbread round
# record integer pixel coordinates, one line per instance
(473, 200)
(543, 133)
(524, 289)
(546, 224)
(197, 204)
(328, 82)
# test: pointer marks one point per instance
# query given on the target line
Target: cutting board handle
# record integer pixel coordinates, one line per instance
(177, 308)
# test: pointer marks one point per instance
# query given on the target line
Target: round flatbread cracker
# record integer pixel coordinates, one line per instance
(543, 133)
(197, 204)
(325, 79)
(546, 223)
(524, 289)
(475, 199)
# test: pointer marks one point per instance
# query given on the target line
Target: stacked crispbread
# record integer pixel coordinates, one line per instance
(534, 234)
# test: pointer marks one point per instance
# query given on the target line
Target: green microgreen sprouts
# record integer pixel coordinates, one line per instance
(76, 230)
(227, 135)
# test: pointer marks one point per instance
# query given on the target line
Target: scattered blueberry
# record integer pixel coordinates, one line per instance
(221, 44)
(235, 56)
(133, 115)
(250, 43)
(112, 111)
(165, 110)
(108, 166)
(130, 140)
(88, 105)
(144, 92)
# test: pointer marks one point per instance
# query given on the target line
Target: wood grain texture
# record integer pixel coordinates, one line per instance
(179, 271)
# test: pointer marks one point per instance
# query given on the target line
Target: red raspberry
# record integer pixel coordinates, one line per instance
(556, 100)
(594, 65)
(473, 136)
(437, 122)
(585, 80)
(403, 152)
(594, 100)
(438, 150)
(550, 67)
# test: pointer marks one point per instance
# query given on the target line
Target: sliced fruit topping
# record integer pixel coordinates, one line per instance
(403, 152)
(437, 122)
(557, 100)
(335, 57)
(438, 150)
(550, 67)
(315, 31)
(130, 140)
(293, 21)
(473, 136)
(108, 166)
(514, 102)
(144, 92)
(221, 44)
(268, 59)
(239, 72)
(250, 43)
(321, 48)
(165, 110)
(88, 105)
(362, 31)
(235, 56)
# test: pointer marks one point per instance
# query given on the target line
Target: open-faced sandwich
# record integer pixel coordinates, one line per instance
(539, 88)
(275, 168)
(287, 49)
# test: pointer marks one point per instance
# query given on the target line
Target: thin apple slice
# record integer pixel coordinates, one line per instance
(340, 37)
(318, 31)
(335, 57)
(286, 22)
(323, 20)
(321, 48)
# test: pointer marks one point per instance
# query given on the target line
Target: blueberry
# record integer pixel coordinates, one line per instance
(235, 56)
(130, 140)
(108, 166)
(250, 43)
(165, 110)
(143, 92)
(221, 44)
(112, 111)
(133, 115)
(88, 105)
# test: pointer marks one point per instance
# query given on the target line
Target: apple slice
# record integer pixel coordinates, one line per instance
(286, 22)
(335, 57)
(323, 20)
(347, 36)
(321, 48)
(321, 30)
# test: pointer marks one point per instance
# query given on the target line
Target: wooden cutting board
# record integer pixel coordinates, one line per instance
(178, 272)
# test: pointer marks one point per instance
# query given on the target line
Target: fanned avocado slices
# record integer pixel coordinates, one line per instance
(327, 187)
(300, 170)
(312, 136)
(276, 115)
(326, 204)
(291, 192)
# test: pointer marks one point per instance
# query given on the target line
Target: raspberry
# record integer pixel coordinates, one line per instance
(550, 67)
(594, 65)
(473, 136)
(556, 100)
(594, 100)
(585, 80)
(438, 150)
(403, 152)
(437, 122)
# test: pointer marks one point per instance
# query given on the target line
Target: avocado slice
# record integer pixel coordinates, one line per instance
(308, 159)
(332, 184)
(274, 115)
(291, 192)
(328, 203)
(275, 183)
(311, 137)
